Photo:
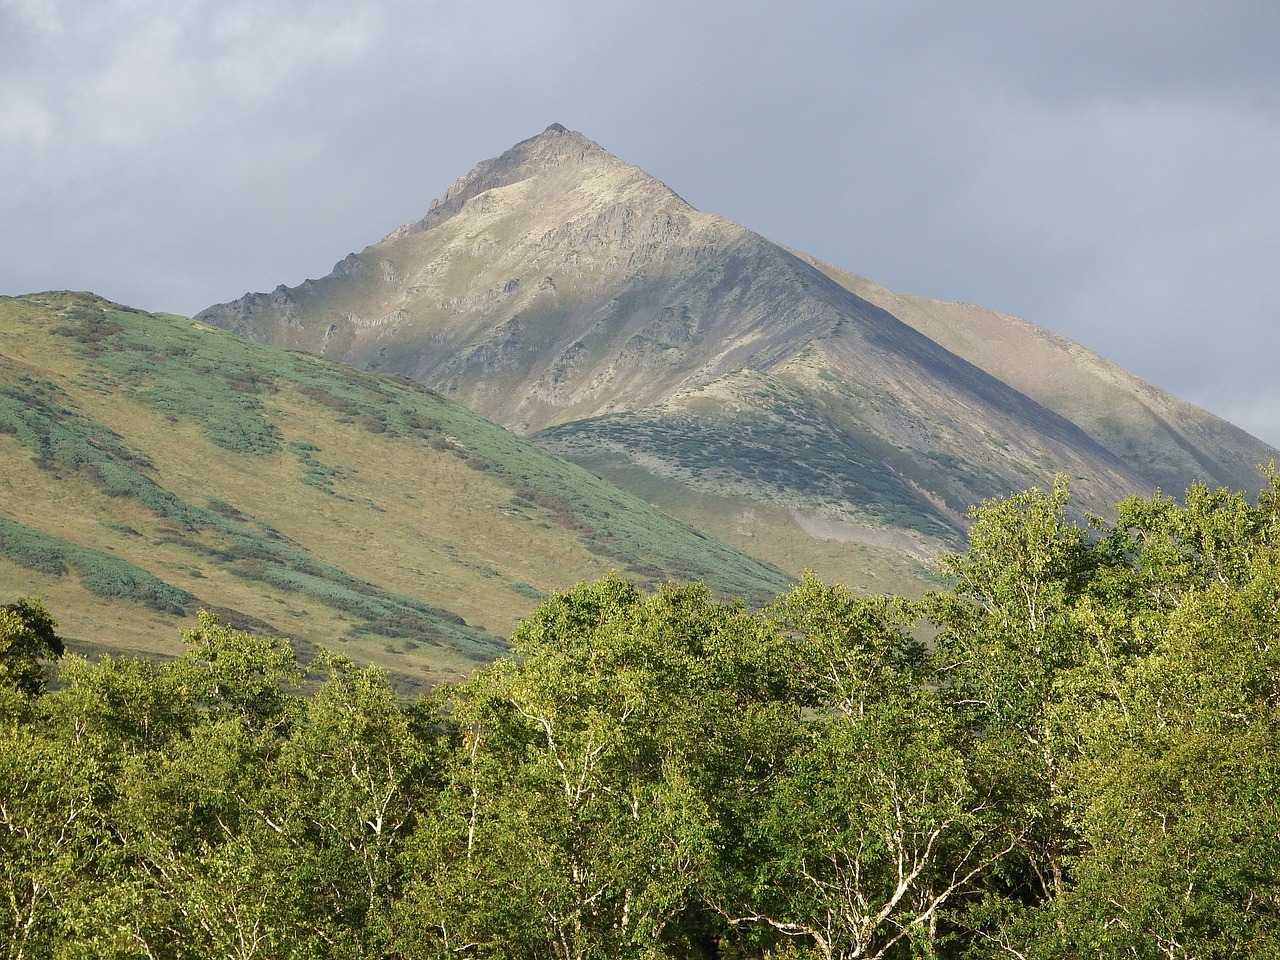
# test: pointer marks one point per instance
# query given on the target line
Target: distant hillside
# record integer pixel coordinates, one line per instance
(151, 465)
(796, 411)
(1166, 439)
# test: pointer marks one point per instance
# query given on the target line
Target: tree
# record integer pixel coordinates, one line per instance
(1005, 627)
(1174, 786)
(1008, 631)
(579, 817)
(239, 675)
(50, 832)
(881, 814)
(356, 777)
(27, 636)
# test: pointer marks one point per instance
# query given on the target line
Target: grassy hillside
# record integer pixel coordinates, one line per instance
(153, 465)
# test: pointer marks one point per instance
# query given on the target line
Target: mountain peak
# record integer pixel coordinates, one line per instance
(571, 296)
(556, 146)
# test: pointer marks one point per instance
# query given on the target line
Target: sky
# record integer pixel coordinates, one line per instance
(1108, 170)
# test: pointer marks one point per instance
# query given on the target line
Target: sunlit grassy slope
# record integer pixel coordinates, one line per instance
(151, 465)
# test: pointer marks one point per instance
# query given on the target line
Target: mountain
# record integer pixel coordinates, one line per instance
(151, 465)
(795, 410)
(1166, 439)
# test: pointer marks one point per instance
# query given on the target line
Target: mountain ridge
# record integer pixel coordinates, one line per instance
(574, 298)
(970, 331)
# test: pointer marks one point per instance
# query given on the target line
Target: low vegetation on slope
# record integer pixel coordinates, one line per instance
(751, 434)
(1083, 763)
(154, 465)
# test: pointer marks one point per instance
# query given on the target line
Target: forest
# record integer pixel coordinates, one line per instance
(1070, 748)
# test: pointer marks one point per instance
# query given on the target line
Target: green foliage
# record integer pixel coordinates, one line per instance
(853, 652)
(233, 673)
(32, 549)
(100, 573)
(27, 636)
(166, 372)
(800, 452)
(581, 794)
(315, 474)
(1083, 761)
(1174, 786)
(65, 442)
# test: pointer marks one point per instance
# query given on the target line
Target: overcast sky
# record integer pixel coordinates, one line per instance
(1109, 170)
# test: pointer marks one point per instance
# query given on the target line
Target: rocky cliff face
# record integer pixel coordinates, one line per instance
(570, 296)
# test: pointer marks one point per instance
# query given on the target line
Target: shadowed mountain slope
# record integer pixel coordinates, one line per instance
(151, 465)
(771, 400)
(1166, 439)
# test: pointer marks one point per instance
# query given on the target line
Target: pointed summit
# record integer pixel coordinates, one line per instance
(573, 297)
(555, 146)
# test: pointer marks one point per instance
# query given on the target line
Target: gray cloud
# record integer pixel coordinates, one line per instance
(1106, 170)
